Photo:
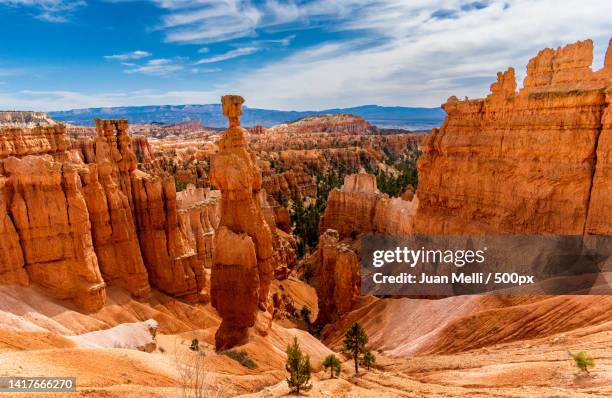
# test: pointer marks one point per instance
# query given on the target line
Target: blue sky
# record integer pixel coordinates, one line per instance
(293, 54)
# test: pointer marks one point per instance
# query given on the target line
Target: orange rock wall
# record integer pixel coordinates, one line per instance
(49, 214)
(73, 220)
(532, 161)
(337, 278)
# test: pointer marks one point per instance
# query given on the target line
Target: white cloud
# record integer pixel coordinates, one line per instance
(285, 41)
(56, 11)
(138, 54)
(206, 21)
(420, 60)
(160, 66)
(414, 52)
(205, 70)
(63, 100)
(239, 52)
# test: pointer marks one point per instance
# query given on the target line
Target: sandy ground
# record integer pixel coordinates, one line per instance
(457, 347)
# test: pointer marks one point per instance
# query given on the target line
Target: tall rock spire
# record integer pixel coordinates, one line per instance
(242, 265)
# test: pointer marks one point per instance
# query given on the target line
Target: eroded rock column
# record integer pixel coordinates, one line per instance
(242, 267)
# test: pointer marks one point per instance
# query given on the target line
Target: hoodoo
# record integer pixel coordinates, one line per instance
(242, 267)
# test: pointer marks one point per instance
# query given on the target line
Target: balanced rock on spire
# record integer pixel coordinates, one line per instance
(242, 265)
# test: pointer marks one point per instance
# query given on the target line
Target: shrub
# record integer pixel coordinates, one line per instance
(195, 345)
(368, 358)
(333, 363)
(583, 361)
(180, 185)
(298, 366)
(241, 357)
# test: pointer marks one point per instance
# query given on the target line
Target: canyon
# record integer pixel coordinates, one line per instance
(132, 243)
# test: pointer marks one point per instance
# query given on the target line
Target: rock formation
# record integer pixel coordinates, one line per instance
(108, 194)
(199, 214)
(358, 207)
(74, 219)
(532, 161)
(337, 279)
(342, 123)
(20, 119)
(172, 264)
(242, 267)
(46, 232)
(290, 184)
(33, 139)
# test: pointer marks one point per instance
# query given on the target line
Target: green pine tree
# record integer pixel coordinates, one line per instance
(355, 340)
(298, 366)
(369, 358)
(332, 363)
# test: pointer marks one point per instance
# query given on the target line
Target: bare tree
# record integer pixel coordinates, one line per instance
(195, 380)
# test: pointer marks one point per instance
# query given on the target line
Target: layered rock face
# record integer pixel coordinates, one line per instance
(290, 184)
(74, 219)
(199, 213)
(242, 266)
(532, 161)
(108, 193)
(20, 139)
(25, 119)
(337, 278)
(172, 263)
(358, 207)
(46, 231)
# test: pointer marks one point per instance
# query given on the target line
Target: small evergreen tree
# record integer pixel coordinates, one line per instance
(583, 361)
(298, 366)
(355, 340)
(369, 358)
(332, 363)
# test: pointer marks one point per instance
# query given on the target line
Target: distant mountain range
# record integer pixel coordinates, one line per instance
(211, 115)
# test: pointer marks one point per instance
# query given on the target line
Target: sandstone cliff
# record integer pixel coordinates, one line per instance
(108, 194)
(74, 219)
(290, 184)
(50, 215)
(532, 161)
